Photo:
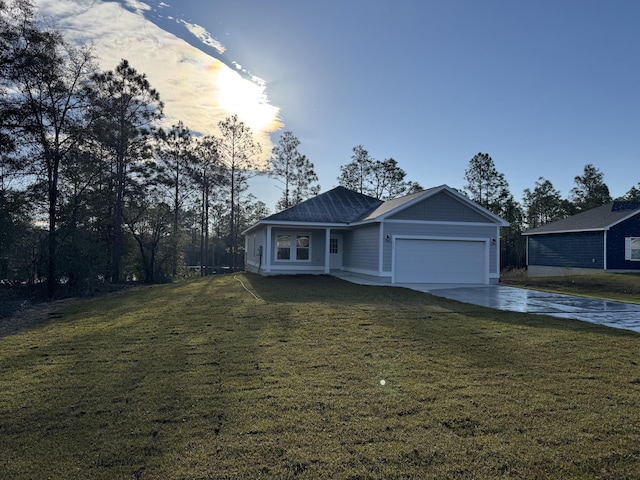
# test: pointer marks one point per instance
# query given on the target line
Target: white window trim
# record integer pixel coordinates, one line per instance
(292, 247)
(628, 250)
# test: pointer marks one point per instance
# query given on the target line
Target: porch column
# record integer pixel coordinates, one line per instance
(266, 255)
(327, 255)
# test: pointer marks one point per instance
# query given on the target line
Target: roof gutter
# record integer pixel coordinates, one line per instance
(579, 230)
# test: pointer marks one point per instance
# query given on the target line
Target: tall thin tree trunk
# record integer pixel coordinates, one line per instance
(202, 227)
(52, 282)
(176, 221)
(232, 231)
(117, 226)
(207, 263)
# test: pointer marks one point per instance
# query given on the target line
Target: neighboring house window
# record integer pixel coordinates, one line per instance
(293, 247)
(632, 248)
(333, 245)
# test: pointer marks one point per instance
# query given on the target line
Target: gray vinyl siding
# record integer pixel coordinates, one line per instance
(440, 230)
(361, 246)
(575, 250)
(317, 243)
(254, 241)
(442, 207)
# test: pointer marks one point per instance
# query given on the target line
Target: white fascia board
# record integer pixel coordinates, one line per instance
(307, 224)
(432, 222)
(579, 230)
(366, 222)
(252, 227)
(633, 213)
(264, 223)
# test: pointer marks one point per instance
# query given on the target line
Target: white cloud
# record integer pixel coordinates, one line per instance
(195, 87)
(204, 36)
(139, 7)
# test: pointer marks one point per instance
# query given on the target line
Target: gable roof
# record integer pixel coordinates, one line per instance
(341, 206)
(596, 219)
(395, 205)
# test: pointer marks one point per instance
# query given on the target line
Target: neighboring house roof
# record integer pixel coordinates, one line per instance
(343, 206)
(596, 219)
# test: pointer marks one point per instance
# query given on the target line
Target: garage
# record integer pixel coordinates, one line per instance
(420, 260)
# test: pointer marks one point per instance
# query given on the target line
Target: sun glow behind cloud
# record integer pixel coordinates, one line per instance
(242, 97)
(196, 88)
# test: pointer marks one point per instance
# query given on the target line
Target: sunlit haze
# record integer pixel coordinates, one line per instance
(195, 87)
(544, 87)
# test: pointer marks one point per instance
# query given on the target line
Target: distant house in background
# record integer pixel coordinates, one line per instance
(603, 239)
(433, 236)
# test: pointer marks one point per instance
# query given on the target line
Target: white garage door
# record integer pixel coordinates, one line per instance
(439, 261)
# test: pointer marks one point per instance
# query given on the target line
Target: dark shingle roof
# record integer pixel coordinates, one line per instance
(599, 218)
(339, 205)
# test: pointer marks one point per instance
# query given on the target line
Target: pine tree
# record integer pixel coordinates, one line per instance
(129, 109)
(590, 190)
(237, 151)
(293, 170)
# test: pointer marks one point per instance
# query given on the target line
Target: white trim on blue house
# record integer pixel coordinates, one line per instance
(577, 230)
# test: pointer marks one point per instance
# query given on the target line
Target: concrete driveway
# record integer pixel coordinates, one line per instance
(603, 312)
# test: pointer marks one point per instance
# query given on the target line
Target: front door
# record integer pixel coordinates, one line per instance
(335, 252)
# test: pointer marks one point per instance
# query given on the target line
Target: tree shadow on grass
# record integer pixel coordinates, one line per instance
(335, 292)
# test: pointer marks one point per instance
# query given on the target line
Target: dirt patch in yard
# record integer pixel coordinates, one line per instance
(20, 315)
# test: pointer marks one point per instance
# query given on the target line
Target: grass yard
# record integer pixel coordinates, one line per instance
(622, 287)
(200, 380)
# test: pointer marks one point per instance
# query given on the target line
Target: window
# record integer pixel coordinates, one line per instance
(284, 247)
(302, 247)
(293, 247)
(333, 245)
(632, 248)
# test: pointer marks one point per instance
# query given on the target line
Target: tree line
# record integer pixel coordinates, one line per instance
(94, 190)
(541, 205)
(489, 188)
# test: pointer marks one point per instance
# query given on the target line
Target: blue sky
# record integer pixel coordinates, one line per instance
(544, 87)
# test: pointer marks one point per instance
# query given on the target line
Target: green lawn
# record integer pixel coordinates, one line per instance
(200, 380)
(622, 287)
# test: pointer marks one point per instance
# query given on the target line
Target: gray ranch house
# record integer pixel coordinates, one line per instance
(433, 236)
(603, 239)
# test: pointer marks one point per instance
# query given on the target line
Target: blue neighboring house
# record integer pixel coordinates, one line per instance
(603, 239)
(433, 236)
